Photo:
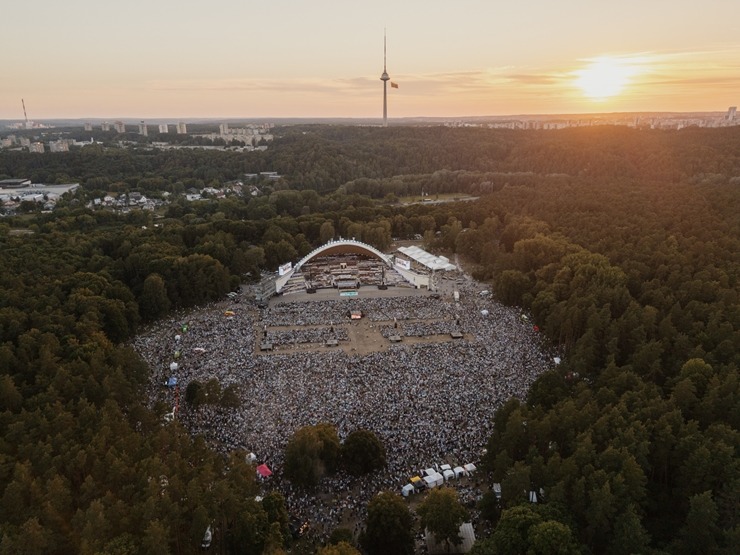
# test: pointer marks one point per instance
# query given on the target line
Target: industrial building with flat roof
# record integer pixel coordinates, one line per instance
(15, 183)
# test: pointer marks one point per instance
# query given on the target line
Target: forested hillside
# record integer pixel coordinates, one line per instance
(635, 441)
(323, 158)
(623, 246)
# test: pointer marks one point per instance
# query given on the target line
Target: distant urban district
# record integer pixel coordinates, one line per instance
(36, 137)
(611, 252)
(257, 135)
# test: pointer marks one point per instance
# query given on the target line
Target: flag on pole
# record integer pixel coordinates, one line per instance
(394, 85)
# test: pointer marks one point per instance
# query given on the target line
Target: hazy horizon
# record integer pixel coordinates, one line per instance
(154, 120)
(323, 59)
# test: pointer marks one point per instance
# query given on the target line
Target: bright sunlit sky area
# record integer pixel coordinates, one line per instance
(324, 58)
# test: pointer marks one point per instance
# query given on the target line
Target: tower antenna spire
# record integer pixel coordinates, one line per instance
(384, 50)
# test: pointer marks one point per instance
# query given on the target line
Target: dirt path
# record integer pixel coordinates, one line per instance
(364, 337)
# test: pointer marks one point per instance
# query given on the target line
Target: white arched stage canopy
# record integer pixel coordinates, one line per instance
(341, 246)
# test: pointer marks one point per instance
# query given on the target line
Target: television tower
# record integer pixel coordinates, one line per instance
(24, 114)
(385, 80)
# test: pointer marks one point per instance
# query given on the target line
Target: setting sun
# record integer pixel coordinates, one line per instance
(604, 77)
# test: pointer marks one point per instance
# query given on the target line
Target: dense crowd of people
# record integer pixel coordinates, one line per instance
(380, 309)
(429, 403)
(307, 335)
(422, 329)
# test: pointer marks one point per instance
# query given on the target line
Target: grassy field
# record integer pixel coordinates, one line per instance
(445, 197)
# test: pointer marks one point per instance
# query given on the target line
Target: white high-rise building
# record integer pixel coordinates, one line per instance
(142, 129)
(119, 126)
(59, 146)
(105, 126)
(182, 129)
(163, 128)
(88, 127)
(732, 113)
(223, 129)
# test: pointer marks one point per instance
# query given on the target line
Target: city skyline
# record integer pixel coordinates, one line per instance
(321, 59)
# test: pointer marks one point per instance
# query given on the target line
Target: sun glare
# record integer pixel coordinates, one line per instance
(604, 78)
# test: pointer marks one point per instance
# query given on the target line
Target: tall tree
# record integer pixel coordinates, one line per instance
(442, 514)
(629, 536)
(326, 232)
(341, 548)
(362, 452)
(511, 536)
(552, 538)
(311, 452)
(156, 539)
(700, 534)
(389, 526)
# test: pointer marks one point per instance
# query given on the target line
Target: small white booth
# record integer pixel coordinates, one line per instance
(433, 481)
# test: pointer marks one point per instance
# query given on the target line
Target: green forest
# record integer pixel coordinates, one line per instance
(623, 245)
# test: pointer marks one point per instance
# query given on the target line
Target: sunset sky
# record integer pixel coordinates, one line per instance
(323, 58)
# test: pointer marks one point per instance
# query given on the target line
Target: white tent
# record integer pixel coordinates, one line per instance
(428, 260)
(438, 479)
(430, 471)
(459, 471)
(556, 360)
(445, 467)
(533, 496)
(407, 489)
(173, 366)
(448, 474)
(177, 337)
(497, 490)
(430, 482)
(251, 457)
(484, 312)
(470, 468)
(207, 538)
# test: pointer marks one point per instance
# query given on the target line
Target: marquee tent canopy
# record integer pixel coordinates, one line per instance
(264, 471)
(426, 259)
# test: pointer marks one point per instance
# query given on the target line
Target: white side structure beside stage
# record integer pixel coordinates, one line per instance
(427, 259)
